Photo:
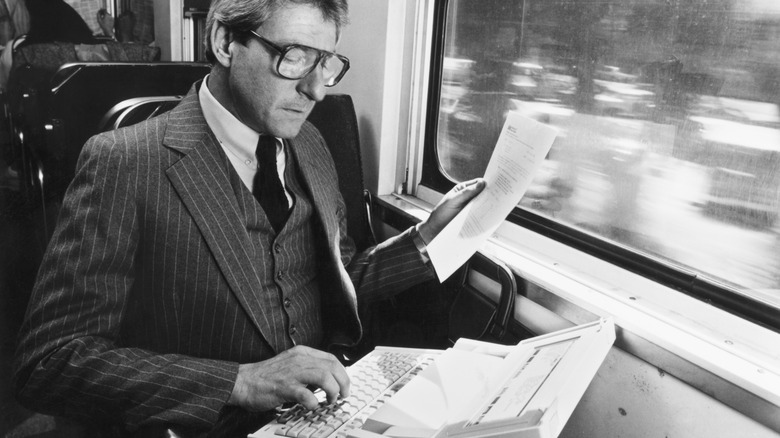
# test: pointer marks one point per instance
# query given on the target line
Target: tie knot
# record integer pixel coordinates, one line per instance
(266, 148)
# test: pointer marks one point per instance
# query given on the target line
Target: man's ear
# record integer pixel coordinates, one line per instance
(221, 37)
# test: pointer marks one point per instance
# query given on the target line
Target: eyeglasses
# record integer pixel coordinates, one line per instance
(296, 61)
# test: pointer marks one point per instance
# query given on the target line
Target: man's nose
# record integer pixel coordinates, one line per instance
(313, 85)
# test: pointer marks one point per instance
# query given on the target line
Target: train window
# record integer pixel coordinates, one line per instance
(669, 130)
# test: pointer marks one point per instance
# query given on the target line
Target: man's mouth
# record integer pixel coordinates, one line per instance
(298, 110)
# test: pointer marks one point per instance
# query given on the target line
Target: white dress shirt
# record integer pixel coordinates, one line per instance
(238, 140)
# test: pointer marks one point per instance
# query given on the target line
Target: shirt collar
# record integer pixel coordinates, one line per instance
(233, 135)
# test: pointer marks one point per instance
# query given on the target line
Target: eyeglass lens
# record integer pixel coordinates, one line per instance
(298, 61)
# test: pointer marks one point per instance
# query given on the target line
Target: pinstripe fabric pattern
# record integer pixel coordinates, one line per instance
(295, 259)
(148, 297)
(287, 262)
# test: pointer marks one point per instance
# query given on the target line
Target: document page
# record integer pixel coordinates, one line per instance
(519, 152)
(512, 399)
(445, 392)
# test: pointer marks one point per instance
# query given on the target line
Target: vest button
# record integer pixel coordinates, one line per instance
(280, 275)
(277, 248)
(287, 302)
(293, 330)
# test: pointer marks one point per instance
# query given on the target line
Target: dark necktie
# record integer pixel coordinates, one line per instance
(267, 188)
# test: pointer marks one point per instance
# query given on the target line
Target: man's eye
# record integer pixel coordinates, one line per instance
(296, 56)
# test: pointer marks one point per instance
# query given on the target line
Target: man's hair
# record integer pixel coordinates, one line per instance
(241, 16)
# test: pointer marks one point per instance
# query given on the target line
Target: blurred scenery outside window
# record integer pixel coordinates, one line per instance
(668, 118)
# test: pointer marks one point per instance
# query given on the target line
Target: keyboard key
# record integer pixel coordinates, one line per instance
(323, 432)
(295, 430)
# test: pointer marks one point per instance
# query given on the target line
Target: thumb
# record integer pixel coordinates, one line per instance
(449, 206)
(467, 190)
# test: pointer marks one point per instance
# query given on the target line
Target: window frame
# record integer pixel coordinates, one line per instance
(675, 277)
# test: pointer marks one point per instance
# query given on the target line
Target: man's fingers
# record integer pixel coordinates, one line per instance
(331, 383)
(343, 383)
(466, 191)
(286, 377)
(326, 381)
(473, 184)
(449, 206)
(336, 371)
(465, 184)
(326, 373)
(302, 395)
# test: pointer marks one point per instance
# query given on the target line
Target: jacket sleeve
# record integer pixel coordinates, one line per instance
(379, 271)
(70, 360)
(388, 268)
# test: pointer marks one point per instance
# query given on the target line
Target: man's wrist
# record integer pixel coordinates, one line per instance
(236, 394)
(420, 243)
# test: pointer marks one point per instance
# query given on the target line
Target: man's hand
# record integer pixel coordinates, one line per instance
(449, 206)
(284, 378)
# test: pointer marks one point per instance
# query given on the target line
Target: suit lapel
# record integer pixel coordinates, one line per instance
(315, 180)
(203, 184)
(312, 158)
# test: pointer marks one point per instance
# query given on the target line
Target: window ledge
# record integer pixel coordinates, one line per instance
(731, 359)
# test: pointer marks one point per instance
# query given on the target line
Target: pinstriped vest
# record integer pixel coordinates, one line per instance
(287, 262)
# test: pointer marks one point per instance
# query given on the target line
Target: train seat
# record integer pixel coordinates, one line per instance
(52, 123)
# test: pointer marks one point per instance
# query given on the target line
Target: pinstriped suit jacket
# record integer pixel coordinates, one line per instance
(147, 299)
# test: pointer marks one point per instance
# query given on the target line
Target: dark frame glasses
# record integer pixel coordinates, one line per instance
(296, 61)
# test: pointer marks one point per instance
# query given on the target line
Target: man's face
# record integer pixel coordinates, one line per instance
(262, 99)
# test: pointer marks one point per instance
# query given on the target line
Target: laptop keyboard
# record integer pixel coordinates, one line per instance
(374, 379)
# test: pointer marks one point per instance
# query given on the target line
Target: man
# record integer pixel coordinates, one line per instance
(170, 295)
